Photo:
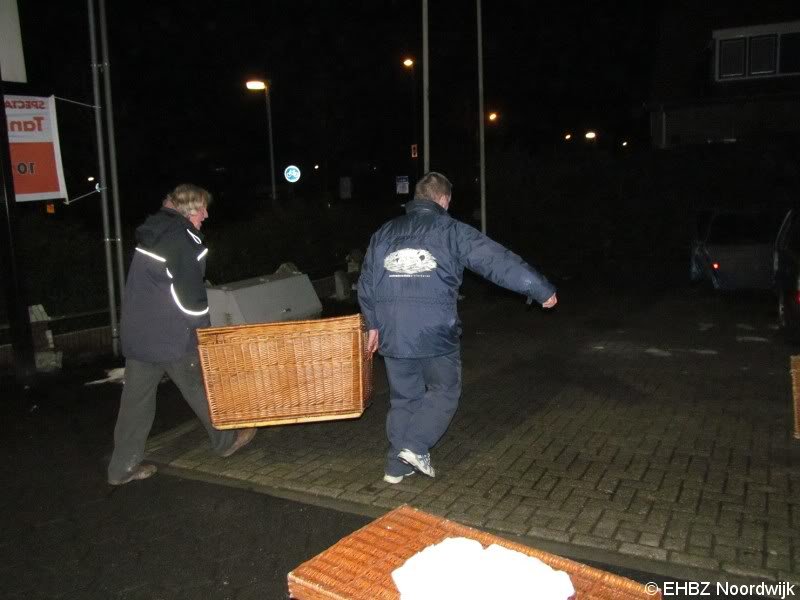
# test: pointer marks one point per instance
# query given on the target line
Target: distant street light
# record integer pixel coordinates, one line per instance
(316, 167)
(257, 85)
(624, 143)
(90, 178)
(408, 63)
(590, 135)
(568, 137)
(493, 117)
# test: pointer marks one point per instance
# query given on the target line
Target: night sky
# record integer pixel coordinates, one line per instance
(342, 99)
(340, 95)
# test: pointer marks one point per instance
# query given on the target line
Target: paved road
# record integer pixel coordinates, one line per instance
(645, 429)
(67, 534)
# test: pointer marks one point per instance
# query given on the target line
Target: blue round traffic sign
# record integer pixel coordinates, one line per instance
(291, 173)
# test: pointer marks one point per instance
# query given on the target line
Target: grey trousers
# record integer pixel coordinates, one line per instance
(423, 397)
(138, 408)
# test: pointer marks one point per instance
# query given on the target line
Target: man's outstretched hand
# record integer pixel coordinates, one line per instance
(550, 302)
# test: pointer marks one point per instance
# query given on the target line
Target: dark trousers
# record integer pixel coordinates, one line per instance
(423, 397)
(138, 408)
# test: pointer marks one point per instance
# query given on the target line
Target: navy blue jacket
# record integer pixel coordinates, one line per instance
(165, 297)
(413, 269)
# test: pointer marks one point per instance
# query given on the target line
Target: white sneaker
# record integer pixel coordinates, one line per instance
(395, 478)
(421, 462)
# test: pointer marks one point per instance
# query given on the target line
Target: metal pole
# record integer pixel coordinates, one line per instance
(482, 175)
(415, 116)
(101, 163)
(426, 145)
(271, 151)
(16, 298)
(112, 149)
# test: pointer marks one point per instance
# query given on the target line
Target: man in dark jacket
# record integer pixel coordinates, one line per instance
(164, 303)
(408, 291)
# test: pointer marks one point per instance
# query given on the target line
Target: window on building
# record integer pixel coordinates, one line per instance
(757, 51)
(763, 54)
(732, 57)
(790, 53)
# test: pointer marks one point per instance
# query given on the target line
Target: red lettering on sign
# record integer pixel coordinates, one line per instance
(34, 125)
(25, 104)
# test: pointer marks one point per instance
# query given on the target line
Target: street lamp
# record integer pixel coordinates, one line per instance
(493, 116)
(257, 85)
(408, 64)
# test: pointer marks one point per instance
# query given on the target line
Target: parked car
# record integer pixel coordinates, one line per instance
(733, 249)
(786, 267)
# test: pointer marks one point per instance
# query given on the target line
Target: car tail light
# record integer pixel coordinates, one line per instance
(715, 266)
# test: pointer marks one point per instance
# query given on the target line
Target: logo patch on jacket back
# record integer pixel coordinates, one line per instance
(410, 262)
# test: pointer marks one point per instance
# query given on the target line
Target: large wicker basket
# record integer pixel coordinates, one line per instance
(795, 370)
(287, 372)
(359, 567)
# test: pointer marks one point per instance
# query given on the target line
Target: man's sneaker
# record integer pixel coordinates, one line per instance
(138, 473)
(421, 462)
(396, 478)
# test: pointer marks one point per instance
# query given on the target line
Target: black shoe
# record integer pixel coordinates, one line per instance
(243, 437)
(138, 473)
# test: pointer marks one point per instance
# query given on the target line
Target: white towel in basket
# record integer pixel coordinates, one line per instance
(461, 568)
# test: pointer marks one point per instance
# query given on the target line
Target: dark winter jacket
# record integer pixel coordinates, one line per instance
(165, 298)
(413, 269)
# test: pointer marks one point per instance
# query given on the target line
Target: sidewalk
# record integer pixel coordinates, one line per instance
(647, 434)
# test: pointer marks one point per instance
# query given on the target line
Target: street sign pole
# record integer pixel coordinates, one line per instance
(101, 163)
(426, 111)
(16, 298)
(112, 150)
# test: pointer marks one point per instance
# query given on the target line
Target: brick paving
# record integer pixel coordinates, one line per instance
(68, 535)
(652, 434)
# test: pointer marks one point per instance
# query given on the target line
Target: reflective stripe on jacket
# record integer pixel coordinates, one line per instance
(165, 297)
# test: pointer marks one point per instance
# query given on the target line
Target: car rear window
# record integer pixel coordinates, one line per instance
(742, 229)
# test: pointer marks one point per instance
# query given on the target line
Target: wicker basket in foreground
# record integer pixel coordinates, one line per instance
(359, 567)
(287, 372)
(795, 369)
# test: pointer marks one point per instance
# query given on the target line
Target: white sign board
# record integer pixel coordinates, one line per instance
(401, 184)
(34, 148)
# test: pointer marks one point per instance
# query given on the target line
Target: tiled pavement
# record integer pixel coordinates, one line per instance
(648, 433)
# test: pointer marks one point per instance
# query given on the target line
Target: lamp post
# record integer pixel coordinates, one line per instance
(481, 117)
(409, 64)
(256, 85)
